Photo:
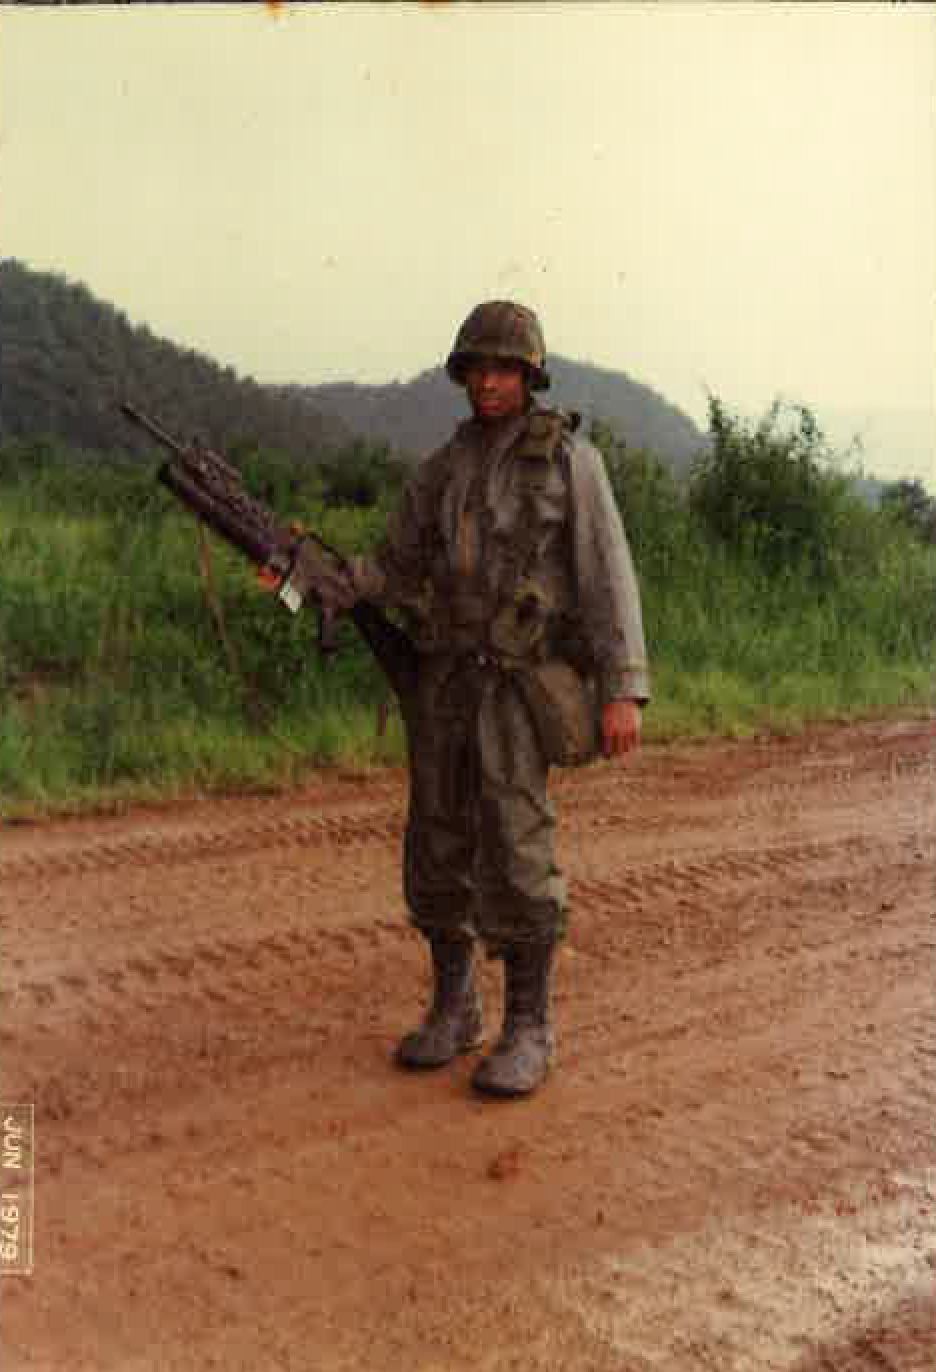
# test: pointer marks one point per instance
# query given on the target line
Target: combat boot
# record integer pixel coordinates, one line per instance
(453, 1023)
(526, 1049)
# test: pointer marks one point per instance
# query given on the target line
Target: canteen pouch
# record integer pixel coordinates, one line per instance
(564, 710)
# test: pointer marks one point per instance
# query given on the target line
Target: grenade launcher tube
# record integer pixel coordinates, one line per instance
(261, 550)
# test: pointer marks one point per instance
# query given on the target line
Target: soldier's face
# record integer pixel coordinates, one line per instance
(497, 388)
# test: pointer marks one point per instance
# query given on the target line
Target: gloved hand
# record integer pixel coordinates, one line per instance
(620, 727)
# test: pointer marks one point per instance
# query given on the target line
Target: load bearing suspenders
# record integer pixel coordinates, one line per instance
(534, 453)
(537, 450)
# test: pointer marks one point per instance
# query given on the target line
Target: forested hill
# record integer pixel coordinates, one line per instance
(66, 359)
(417, 415)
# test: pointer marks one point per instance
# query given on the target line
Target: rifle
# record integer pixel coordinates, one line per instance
(304, 567)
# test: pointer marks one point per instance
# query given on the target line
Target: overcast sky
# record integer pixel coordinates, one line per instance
(731, 197)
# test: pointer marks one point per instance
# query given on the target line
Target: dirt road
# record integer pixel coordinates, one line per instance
(733, 1168)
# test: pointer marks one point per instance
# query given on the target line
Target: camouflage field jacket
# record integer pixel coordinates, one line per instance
(481, 526)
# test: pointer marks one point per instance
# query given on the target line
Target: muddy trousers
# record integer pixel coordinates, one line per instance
(479, 846)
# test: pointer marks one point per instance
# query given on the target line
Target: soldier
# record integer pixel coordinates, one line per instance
(510, 564)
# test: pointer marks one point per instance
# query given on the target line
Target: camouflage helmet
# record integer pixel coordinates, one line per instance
(500, 328)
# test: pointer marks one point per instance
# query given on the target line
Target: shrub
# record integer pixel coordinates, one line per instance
(773, 490)
(908, 504)
(653, 506)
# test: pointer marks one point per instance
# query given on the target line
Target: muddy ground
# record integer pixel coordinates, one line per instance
(733, 1167)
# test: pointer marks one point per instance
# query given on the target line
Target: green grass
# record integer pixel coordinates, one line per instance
(117, 687)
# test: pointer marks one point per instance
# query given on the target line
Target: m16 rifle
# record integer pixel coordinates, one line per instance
(302, 567)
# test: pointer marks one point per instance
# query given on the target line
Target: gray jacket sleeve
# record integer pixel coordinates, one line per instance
(606, 583)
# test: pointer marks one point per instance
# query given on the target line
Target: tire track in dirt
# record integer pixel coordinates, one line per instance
(204, 845)
(243, 965)
(680, 1163)
(245, 1001)
(744, 1114)
(595, 790)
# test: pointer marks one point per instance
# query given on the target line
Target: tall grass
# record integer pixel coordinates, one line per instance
(118, 681)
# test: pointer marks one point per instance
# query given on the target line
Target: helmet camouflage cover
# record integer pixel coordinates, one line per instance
(500, 328)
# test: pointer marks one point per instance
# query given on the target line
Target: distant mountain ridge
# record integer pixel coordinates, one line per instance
(414, 417)
(67, 359)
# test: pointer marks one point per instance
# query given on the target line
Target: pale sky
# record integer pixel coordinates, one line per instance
(732, 197)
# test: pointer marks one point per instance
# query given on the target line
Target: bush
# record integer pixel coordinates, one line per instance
(772, 491)
(908, 504)
(653, 506)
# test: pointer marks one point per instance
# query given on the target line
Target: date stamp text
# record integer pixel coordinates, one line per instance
(17, 1181)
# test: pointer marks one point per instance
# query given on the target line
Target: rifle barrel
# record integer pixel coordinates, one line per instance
(156, 430)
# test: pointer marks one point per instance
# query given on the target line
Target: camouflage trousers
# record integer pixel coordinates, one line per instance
(479, 845)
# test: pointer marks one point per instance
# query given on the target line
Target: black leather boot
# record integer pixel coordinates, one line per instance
(526, 1049)
(453, 1024)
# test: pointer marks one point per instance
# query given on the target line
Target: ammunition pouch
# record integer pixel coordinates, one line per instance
(518, 626)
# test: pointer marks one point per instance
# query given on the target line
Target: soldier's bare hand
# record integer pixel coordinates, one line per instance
(268, 580)
(620, 727)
